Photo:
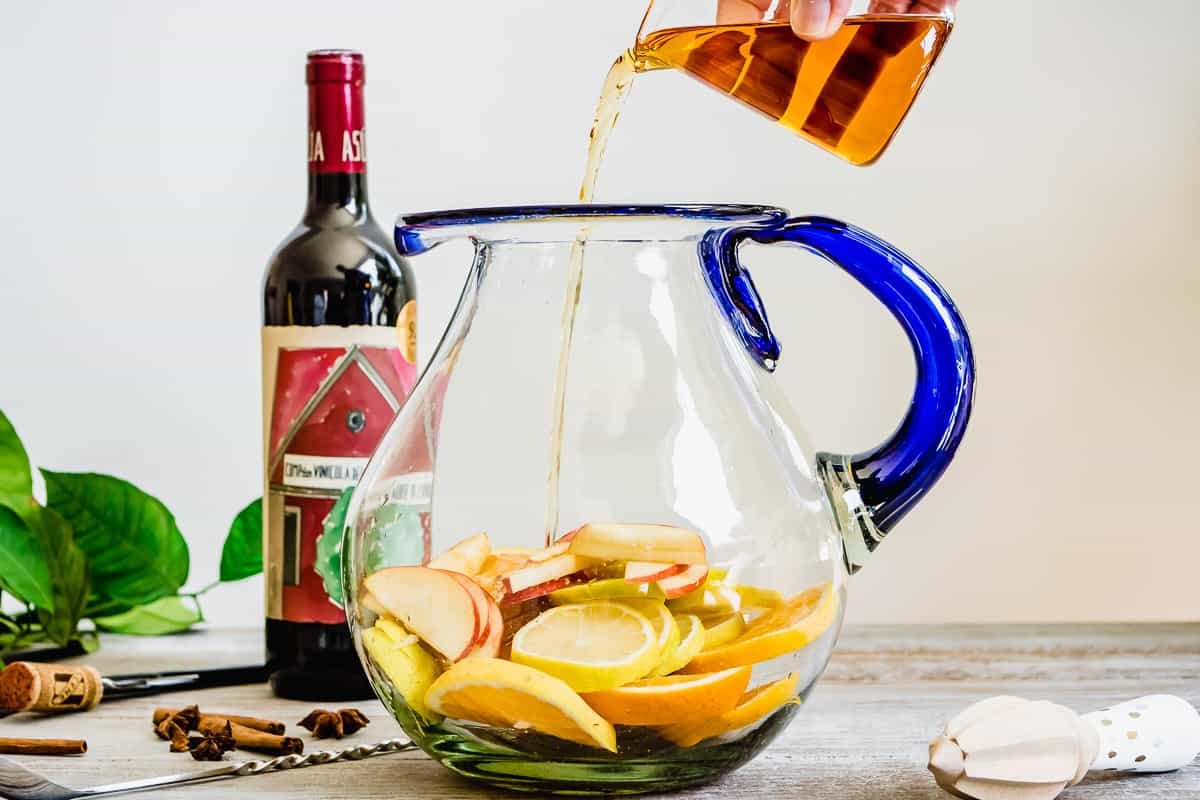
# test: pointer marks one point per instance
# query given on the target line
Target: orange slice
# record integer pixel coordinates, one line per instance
(507, 695)
(672, 699)
(796, 623)
(752, 707)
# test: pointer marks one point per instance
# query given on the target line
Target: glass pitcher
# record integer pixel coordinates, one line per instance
(595, 552)
(848, 93)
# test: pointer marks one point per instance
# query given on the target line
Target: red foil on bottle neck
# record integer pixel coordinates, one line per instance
(337, 140)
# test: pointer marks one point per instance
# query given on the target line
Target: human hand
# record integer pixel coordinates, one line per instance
(818, 19)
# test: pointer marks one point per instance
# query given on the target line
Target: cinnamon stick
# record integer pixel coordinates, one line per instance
(247, 738)
(218, 720)
(43, 747)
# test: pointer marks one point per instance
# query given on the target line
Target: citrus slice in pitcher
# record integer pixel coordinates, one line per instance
(607, 589)
(507, 695)
(590, 646)
(665, 627)
(752, 707)
(673, 699)
(799, 621)
(721, 629)
(691, 642)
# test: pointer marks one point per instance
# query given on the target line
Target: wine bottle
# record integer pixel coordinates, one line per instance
(339, 352)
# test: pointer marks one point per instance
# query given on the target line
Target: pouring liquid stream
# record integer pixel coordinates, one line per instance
(616, 87)
(848, 94)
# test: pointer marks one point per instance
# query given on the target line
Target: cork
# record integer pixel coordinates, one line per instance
(27, 686)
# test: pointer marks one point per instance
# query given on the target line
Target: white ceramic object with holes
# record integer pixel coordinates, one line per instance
(1008, 748)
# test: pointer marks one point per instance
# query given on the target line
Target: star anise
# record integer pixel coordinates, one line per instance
(334, 724)
(179, 740)
(183, 720)
(211, 746)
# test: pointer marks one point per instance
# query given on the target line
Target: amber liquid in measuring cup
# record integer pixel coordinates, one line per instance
(847, 94)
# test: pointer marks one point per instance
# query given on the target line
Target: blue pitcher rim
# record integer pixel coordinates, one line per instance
(718, 212)
(416, 232)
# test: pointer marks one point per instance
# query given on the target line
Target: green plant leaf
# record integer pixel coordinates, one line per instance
(24, 574)
(165, 615)
(68, 568)
(328, 560)
(135, 552)
(16, 481)
(242, 555)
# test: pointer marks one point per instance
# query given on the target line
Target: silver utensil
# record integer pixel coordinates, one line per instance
(19, 783)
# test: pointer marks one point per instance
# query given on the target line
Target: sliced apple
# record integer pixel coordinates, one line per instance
(433, 604)
(482, 601)
(487, 643)
(648, 571)
(466, 557)
(545, 577)
(616, 541)
(553, 551)
(500, 563)
(689, 580)
(368, 601)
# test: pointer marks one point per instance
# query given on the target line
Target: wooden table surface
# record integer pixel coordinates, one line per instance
(862, 736)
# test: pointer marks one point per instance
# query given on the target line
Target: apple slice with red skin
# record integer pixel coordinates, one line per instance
(650, 571)
(619, 541)
(433, 604)
(487, 642)
(466, 557)
(537, 579)
(690, 579)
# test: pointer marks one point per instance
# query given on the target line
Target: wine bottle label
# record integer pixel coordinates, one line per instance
(329, 395)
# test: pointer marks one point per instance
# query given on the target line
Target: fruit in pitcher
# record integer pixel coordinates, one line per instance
(691, 642)
(615, 541)
(758, 598)
(752, 707)
(541, 578)
(590, 646)
(491, 629)
(664, 624)
(721, 629)
(647, 571)
(673, 699)
(607, 589)
(798, 622)
(712, 597)
(399, 655)
(466, 557)
(507, 695)
(431, 603)
(685, 582)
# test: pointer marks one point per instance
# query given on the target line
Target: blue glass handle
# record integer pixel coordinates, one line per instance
(882, 484)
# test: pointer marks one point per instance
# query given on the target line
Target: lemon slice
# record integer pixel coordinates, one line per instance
(673, 699)
(721, 629)
(590, 646)
(799, 621)
(752, 707)
(400, 657)
(610, 589)
(691, 642)
(506, 695)
(665, 628)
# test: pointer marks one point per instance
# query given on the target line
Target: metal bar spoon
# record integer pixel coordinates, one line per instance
(19, 783)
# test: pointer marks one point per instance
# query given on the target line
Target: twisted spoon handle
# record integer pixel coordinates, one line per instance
(254, 767)
(321, 757)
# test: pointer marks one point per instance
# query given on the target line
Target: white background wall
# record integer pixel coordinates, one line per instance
(153, 155)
